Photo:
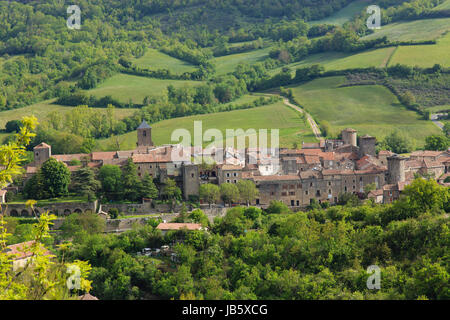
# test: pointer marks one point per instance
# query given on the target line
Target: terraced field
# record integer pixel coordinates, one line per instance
(340, 61)
(127, 87)
(428, 29)
(228, 63)
(291, 125)
(371, 110)
(42, 109)
(424, 55)
(154, 59)
(345, 14)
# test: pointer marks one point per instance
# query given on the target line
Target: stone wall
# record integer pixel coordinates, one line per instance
(59, 209)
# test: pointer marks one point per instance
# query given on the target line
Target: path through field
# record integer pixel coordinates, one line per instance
(312, 123)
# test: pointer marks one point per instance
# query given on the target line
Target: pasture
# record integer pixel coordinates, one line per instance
(276, 116)
(154, 59)
(372, 110)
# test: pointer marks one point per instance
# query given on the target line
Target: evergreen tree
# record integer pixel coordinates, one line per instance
(84, 183)
(148, 188)
(130, 181)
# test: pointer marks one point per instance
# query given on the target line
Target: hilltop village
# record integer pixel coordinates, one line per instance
(318, 172)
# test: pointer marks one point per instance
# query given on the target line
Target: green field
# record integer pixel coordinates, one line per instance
(229, 63)
(42, 109)
(275, 116)
(154, 59)
(427, 29)
(372, 110)
(340, 61)
(443, 6)
(345, 14)
(424, 55)
(127, 87)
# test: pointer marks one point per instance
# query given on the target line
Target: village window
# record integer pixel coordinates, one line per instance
(151, 166)
(145, 133)
(329, 183)
(284, 194)
(318, 193)
(354, 187)
(298, 203)
(306, 192)
(139, 174)
(175, 166)
(257, 201)
(299, 186)
(291, 186)
(310, 184)
(329, 191)
(292, 193)
(360, 178)
(272, 193)
(345, 188)
(228, 174)
(292, 203)
(192, 175)
(235, 181)
(228, 181)
(235, 174)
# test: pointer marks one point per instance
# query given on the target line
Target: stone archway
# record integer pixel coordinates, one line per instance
(14, 213)
(78, 210)
(24, 213)
(67, 212)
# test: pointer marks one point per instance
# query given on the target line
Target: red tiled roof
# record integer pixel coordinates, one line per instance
(20, 250)
(103, 155)
(70, 157)
(179, 226)
(276, 178)
(42, 145)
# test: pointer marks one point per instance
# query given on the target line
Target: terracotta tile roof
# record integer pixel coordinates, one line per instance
(431, 164)
(309, 159)
(31, 169)
(151, 158)
(385, 153)
(328, 156)
(413, 164)
(103, 155)
(20, 250)
(179, 226)
(276, 178)
(375, 193)
(425, 153)
(310, 174)
(42, 145)
(230, 167)
(87, 296)
(70, 157)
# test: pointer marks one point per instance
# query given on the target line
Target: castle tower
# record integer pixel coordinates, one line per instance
(367, 145)
(396, 169)
(42, 152)
(349, 136)
(144, 133)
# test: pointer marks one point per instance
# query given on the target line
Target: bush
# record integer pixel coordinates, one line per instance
(113, 213)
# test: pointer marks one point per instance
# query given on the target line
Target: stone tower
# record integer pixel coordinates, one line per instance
(144, 133)
(367, 145)
(42, 152)
(349, 136)
(396, 169)
(191, 180)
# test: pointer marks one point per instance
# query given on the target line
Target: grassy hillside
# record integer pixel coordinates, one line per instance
(418, 30)
(154, 59)
(443, 6)
(371, 110)
(125, 87)
(228, 63)
(424, 55)
(277, 116)
(42, 109)
(345, 14)
(340, 60)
